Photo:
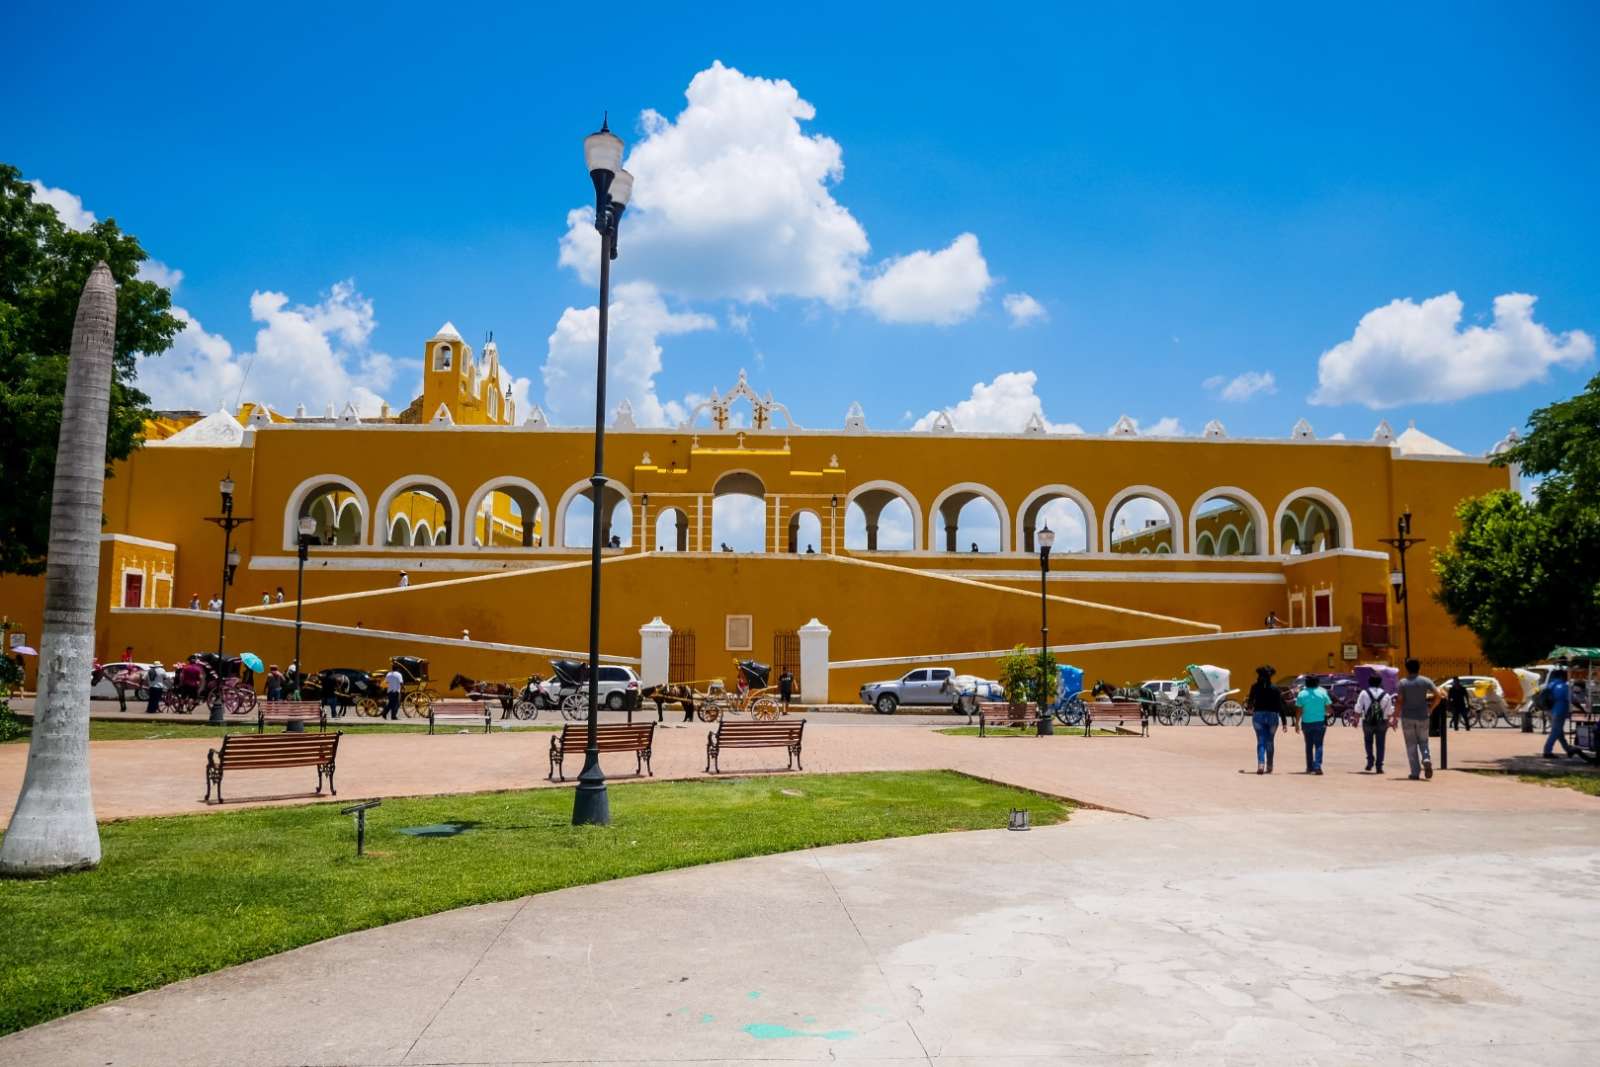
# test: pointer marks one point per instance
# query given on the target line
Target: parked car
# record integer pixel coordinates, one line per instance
(619, 688)
(1164, 688)
(923, 686)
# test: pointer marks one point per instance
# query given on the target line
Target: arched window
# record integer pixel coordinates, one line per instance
(805, 532)
(441, 356)
(1140, 524)
(881, 517)
(739, 513)
(1205, 544)
(672, 530)
(969, 518)
(616, 516)
(1065, 510)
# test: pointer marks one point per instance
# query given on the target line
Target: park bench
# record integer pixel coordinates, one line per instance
(474, 714)
(288, 712)
(1117, 713)
(778, 733)
(999, 713)
(262, 752)
(609, 737)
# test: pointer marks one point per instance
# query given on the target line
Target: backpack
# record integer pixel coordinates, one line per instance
(1374, 715)
(1545, 699)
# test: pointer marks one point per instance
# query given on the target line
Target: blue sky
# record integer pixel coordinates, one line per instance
(1185, 201)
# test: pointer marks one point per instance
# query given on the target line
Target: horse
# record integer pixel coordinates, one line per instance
(486, 690)
(124, 678)
(670, 693)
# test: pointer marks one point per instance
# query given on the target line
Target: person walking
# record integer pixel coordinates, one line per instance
(275, 684)
(215, 603)
(194, 601)
(1417, 697)
(1266, 706)
(1557, 696)
(277, 598)
(1313, 703)
(155, 683)
(1455, 696)
(405, 579)
(393, 683)
(1373, 708)
(786, 688)
(1272, 622)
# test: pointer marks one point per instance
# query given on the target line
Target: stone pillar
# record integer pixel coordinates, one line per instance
(655, 652)
(814, 663)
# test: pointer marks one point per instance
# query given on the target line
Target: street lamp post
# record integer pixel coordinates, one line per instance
(602, 154)
(1046, 538)
(1400, 543)
(230, 563)
(308, 537)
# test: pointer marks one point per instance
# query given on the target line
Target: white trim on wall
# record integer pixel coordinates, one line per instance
(297, 497)
(1095, 646)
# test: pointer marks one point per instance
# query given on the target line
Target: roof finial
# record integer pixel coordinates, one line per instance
(605, 117)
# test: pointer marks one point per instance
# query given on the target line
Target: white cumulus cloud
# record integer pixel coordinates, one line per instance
(153, 270)
(69, 206)
(1406, 353)
(316, 354)
(1001, 406)
(1242, 386)
(639, 319)
(1024, 309)
(941, 288)
(733, 199)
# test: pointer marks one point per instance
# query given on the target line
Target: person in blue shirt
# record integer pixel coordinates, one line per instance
(1558, 698)
(1313, 703)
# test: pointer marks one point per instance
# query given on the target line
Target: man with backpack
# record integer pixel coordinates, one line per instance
(1374, 708)
(1556, 698)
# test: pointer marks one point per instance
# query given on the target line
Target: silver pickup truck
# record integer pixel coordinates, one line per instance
(926, 686)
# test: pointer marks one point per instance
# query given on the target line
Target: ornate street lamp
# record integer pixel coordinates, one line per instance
(602, 154)
(308, 537)
(230, 564)
(1046, 538)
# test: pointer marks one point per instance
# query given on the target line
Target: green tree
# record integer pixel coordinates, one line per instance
(43, 269)
(1524, 576)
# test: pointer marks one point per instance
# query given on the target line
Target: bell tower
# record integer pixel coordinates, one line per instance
(446, 360)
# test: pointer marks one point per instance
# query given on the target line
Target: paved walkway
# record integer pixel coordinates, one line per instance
(1439, 937)
(1176, 771)
(1241, 920)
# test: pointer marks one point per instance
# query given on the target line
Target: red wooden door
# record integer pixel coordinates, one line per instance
(1323, 609)
(1375, 620)
(133, 590)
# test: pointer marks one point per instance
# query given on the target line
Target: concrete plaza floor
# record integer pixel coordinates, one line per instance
(1233, 919)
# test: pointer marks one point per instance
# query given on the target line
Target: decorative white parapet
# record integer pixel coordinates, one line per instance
(623, 419)
(855, 419)
(814, 663)
(655, 652)
(1215, 429)
(1383, 433)
(1302, 431)
(536, 419)
(1124, 427)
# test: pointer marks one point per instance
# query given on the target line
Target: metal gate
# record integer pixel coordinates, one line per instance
(786, 656)
(680, 657)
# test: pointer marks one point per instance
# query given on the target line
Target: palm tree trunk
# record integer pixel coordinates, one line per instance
(53, 828)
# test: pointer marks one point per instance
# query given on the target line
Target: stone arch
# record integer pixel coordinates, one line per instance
(1163, 550)
(678, 541)
(1252, 507)
(529, 497)
(1225, 547)
(306, 493)
(801, 534)
(351, 523)
(1169, 505)
(948, 505)
(1343, 529)
(432, 487)
(744, 484)
(421, 533)
(399, 531)
(1036, 501)
(1205, 544)
(612, 494)
(872, 498)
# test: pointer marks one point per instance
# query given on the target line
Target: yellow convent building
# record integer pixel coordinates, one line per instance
(1169, 550)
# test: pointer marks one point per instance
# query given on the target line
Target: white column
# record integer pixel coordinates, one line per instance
(814, 663)
(655, 652)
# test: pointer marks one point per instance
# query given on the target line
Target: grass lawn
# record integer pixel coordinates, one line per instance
(1583, 782)
(177, 897)
(157, 730)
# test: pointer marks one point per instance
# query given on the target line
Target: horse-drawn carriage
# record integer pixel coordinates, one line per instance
(206, 675)
(710, 699)
(516, 700)
(343, 688)
(416, 696)
(1206, 693)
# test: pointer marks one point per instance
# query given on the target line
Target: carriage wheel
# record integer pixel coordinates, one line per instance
(1230, 713)
(370, 707)
(766, 709)
(525, 709)
(238, 699)
(575, 707)
(1070, 713)
(709, 710)
(1208, 715)
(417, 702)
(177, 703)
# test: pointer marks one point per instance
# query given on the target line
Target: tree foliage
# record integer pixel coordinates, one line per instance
(43, 267)
(1524, 575)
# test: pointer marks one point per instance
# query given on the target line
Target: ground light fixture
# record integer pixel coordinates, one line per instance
(230, 563)
(1047, 539)
(602, 155)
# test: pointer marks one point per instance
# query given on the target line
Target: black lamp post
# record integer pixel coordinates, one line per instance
(833, 522)
(1400, 543)
(230, 563)
(602, 153)
(1046, 538)
(308, 537)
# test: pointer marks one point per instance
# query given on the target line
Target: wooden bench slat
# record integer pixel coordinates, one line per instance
(729, 734)
(271, 752)
(638, 738)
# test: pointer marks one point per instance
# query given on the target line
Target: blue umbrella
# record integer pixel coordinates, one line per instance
(253, 661)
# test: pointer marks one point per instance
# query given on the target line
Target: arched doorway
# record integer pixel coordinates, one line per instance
(805, 532)
(1311, 520)
(969, 518)
(335, 504)
(1140, 522)
(508, 512)
(1228, 519)
(616, 516)
(881, 517)
(739, 513)
(672, 530)
(1066, 511)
